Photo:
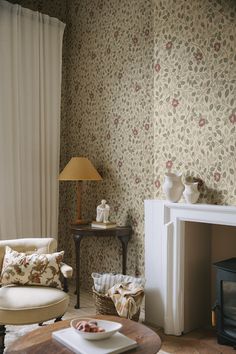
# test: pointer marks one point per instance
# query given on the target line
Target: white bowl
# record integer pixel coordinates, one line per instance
(109, 327)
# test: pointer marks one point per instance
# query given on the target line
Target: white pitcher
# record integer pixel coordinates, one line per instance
(173, 186)
(191, 192)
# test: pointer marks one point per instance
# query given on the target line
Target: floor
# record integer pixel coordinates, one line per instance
(196, 342)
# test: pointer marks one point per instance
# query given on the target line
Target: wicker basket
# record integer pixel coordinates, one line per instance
(105, 306)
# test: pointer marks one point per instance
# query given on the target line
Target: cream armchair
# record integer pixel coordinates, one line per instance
(21, 304)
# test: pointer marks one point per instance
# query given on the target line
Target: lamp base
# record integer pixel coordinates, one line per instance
(82, 222)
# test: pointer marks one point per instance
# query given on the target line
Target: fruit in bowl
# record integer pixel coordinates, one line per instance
(95, 329)
(89, 326)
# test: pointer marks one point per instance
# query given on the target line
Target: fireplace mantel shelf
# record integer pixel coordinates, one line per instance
(164, 256)
(197, 206)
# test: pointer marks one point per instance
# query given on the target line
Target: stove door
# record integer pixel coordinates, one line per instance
(229, 307)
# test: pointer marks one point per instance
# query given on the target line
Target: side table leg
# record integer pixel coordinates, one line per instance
(124, 241)
(77, 239)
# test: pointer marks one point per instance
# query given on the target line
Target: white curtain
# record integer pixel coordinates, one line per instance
(30, 90)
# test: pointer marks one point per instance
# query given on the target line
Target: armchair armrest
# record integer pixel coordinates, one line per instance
(66, 270)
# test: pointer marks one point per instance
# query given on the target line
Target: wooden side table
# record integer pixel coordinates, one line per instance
(123, 233)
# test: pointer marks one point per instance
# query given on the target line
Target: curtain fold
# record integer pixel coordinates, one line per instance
(30, 93)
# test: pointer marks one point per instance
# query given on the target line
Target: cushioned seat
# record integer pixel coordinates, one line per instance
(31, 304)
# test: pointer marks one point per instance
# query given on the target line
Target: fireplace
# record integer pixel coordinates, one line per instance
(165, 263)
(225, 306)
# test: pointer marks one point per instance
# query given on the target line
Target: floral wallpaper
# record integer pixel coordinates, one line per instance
(110, 121)
(195, 95)
(148, 87)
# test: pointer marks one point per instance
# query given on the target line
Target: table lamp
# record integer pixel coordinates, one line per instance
(79, 169)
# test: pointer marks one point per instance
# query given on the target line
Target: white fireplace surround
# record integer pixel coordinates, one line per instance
(164, 256)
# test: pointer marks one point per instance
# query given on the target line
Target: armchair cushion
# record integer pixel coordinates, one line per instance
(31, 304)
(28, 245)
(31, 269)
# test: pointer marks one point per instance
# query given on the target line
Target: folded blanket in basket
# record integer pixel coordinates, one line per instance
(127, 298)
(103, 282)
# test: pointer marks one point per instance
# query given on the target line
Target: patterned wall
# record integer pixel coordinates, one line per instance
(195, 95)
(109, 120)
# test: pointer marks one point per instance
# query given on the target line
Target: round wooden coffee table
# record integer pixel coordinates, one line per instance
(40, 341)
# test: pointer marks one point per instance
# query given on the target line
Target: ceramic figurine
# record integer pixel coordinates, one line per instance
(103, 210)
(173, 186)
(191, 192)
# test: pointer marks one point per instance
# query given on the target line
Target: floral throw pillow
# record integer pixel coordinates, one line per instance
(31, 269)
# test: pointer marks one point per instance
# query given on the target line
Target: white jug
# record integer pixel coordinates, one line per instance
(191, 192)
(173, 186)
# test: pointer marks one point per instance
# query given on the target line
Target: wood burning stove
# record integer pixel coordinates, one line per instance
(225, 307)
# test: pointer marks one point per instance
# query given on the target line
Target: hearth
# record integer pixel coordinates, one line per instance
(225, 307)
